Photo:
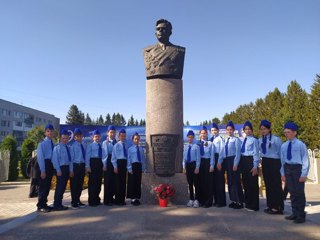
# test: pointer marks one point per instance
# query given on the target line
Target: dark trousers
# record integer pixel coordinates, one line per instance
(272, 180)
(34, 187)
(109, 183)
(296, 189)
(61, 186)
(45, 184)
(205, 183)
(218, 184)
(250, 183)
(234, 181)
(134, 181)
(193, 181)
(76, 183)
(121, 179)
(95, 179)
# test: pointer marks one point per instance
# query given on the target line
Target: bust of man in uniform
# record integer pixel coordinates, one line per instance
(164, 60)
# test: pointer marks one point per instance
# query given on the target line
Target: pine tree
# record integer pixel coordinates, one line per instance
(216, 120)
(136, 123)
(74, 116)
(108, 120)
(315, 113)
(114, 119)
(122, 120)
(187, 123)
(87, 120)
(100, 121)
(131, 121)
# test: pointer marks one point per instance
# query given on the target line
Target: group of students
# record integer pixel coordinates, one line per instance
(111, 159)
(206, 161)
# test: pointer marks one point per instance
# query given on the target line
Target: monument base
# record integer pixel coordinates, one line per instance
(151, 180)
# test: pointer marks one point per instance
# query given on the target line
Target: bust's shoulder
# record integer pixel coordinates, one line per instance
(151, 47)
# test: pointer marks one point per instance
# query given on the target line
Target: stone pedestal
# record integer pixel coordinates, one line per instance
(151, 180)
(164, 126)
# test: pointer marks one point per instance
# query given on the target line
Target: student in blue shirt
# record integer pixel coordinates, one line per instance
(94, 156)
(44, 155)
(109, 176)
(78, 150)
(206, 169)
(62, 163)
(218, 185)
(191, 165)
(270, 148)
(119, 162)
(232, 159)
(294, 170)
(136, 164)
(249, 162)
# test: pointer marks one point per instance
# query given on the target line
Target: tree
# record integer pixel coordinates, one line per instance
(74, 116)
(131, 121)
(36, 135)
(122, 120)
(216, 120)
(28, 146)
(187, 123)
(315, 113)
(108, 120)
(136, 123)
(88, 120)
(10, 143)
(100, 121)
(114, 119)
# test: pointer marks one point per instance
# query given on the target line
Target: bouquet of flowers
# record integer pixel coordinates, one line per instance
(165, 191)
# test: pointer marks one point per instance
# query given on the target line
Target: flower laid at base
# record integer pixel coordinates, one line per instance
(165, 191)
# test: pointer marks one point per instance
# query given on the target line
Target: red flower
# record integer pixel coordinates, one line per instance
(164, 191)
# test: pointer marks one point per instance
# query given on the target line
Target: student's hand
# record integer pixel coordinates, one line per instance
(59, 173)
(235, 168)
(283, 178)
(219, 167)
(254, 171)
(196, 171)
(88, 169)
(211, 169)
(43, 175)
(302, 179)
(104, 168)
(115, 170)
(71, 174)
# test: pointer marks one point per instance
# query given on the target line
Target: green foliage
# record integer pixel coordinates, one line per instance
(26, 153)
(74, 116)
(10, 143)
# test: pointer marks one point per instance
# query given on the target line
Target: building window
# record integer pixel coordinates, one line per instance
(17, 124)
(5, 112)
(3, 123)
(18, 114)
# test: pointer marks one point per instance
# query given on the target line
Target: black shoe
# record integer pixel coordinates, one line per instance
(81, 205)
(108, 204)
(232, 205)
(238, 206)
(299, 220)
(60, 208)
(291, 217)
(220, 205)
(44, 210)
(133, 202)
(74, 206)
(137, 202)
(272, 212)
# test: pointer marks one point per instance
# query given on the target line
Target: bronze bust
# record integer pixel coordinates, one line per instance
(164, 60)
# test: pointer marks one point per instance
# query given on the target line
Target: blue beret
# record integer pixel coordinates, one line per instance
(204, 128)
(122, 130)
(135, 134)
(77, 131)
(49, 126)
(111, 127)
(214, 125)
(64, 132)
(230, 124)
(190, 133)
(96, 132)
(265, 123)
(247, 124)
(291, 125)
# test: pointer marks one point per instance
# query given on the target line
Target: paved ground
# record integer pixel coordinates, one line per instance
(18, 220)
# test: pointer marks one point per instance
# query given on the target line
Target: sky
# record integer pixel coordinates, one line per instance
(89, 53)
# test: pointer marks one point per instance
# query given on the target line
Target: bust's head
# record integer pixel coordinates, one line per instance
(163, 31)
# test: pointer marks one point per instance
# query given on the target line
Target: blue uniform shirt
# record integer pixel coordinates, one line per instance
(107, 147)
(234, 148)
(195, 154)
(273, 147)
(252, 149)
(93, 152)
(44, 151)
(60, 157)
(209, 151)
(299, 156)
(77, 152)
(218, 142)
(133, 157)
(117, 153)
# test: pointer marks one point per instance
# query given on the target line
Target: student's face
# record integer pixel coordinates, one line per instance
(290, 134)
(203, 134)
(112, 134)
(136, 140)
(96, 138)
(230, 131)
(78, 137)
(264, 131)
(248, 131)
(122, 137)
(190, 138)
(49, 133)
(214, 131)
(64, 139)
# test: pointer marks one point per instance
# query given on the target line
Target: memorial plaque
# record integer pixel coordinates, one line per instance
(164, 153)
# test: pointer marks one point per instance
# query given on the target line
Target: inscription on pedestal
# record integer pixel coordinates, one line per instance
(164, 153)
